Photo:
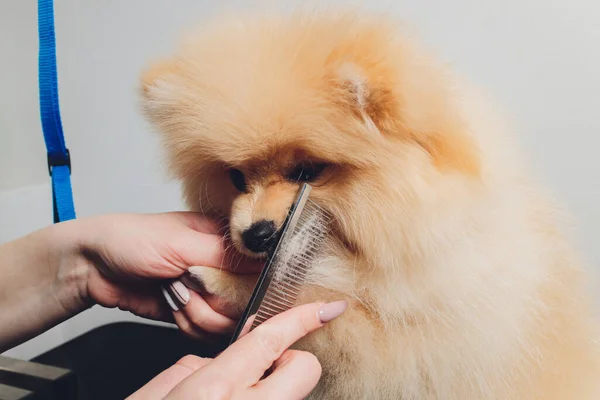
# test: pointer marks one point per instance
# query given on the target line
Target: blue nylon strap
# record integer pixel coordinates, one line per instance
(59, 159)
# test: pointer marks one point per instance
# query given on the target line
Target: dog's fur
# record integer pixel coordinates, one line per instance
(460, 282)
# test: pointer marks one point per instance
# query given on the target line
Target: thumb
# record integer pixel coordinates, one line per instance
(164, 382)
(197, 248)
(208, 250)
(200, 222)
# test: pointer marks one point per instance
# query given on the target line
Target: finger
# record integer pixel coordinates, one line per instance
(223, 306)
(247, 359)
(207, 243)
(146, 304)
(163, 314)
(247, 326)
(196, 248)
(164, 382)
(189, 329)
(296, 374)
(211, 246)
(225, 256)
(184, 323)
(198, 222)
(240, 366)
(200, 314)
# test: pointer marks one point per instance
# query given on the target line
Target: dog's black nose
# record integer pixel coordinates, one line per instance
(260, 236)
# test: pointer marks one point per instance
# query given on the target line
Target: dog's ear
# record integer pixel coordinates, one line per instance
(413, 111)
(366, 98)
(156, 74)
(162, 84)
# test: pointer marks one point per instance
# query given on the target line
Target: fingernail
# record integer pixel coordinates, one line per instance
(332, 310)
(181, 293)
(169, 299)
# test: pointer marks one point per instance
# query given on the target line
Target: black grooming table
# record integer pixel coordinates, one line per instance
(109, 362)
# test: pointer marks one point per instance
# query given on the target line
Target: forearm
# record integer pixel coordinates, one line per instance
(41, 279)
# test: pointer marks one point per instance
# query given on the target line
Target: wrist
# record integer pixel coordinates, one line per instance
(43, 283)
(71, 266)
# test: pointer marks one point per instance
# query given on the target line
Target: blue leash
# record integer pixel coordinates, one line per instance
(59, 158)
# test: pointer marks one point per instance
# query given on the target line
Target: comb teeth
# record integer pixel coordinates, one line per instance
(292, 262)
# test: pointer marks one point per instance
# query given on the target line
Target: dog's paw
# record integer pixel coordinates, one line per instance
(232, 289)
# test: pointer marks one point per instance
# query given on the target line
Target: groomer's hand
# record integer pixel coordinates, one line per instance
(119, 260)
(130, 256)
(236, 373)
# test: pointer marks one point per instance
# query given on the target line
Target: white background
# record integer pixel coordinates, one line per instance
(539, 59)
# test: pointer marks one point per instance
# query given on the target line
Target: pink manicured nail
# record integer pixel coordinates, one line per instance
(181, 293)
(332, 310)
(169, 299)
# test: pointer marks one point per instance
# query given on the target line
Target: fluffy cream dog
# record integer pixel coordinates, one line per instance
(460, 283)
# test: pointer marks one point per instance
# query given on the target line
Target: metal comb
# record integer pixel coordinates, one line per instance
(287, 263)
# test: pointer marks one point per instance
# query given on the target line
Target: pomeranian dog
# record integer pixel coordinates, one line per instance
(459, 281)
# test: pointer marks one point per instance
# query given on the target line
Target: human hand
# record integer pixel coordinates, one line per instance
(236, 373)
(128, 257)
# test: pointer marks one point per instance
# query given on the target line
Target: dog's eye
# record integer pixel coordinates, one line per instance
(306, 172)
(238, 179)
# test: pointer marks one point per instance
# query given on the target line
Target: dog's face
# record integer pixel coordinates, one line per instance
(250, 111)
